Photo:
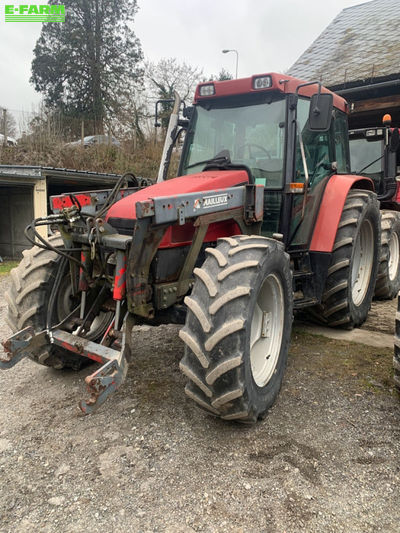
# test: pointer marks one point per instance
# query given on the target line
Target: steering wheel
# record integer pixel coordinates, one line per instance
(323, 163)
(130, 177)
(249, 146)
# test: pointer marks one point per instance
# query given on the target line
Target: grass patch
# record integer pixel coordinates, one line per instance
(7, 266)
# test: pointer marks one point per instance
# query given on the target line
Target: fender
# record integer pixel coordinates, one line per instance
(331, 208)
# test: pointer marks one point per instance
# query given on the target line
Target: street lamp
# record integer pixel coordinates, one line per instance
(237, 58)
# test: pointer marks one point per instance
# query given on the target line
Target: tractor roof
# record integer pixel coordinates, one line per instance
(276, 82)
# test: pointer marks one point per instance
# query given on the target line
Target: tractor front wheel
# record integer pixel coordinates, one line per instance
(238, 328)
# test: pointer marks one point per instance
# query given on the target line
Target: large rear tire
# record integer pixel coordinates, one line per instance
(388, 280)
(28, 298)
(352, 273)
(238, 328)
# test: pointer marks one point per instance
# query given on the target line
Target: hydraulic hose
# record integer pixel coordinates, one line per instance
(46, 245)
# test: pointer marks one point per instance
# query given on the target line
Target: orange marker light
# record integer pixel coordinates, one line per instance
(296, 187)
(387, 120)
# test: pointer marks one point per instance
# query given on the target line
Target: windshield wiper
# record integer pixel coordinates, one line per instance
(221, 157)
(369, 164)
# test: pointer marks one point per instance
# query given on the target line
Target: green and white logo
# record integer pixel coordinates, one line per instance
(34, 13)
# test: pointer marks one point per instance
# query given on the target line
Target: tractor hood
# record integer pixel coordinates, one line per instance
(211, 180)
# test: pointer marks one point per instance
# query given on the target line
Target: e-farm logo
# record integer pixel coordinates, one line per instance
(34, 13)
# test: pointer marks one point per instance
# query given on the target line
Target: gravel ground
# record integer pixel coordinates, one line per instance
(325, 458)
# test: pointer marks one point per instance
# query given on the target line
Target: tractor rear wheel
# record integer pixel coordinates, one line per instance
(352, 273)
(28, 298)
(238, 328)
(388, 280)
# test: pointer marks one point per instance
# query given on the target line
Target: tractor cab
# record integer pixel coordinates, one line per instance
(375, 153)
(289, 136)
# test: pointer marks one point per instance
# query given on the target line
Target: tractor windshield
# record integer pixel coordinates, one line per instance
(251, 135)
(366, 157)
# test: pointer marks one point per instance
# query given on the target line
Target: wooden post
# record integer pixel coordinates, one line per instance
(40, 203)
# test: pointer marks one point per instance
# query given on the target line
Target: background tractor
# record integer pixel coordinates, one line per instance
(375, 153)
(264, 218)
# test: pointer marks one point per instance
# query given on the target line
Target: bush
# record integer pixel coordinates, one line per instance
(143, 160)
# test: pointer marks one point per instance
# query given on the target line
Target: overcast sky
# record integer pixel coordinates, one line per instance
(268, 34)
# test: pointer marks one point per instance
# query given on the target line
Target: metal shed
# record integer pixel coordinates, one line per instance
(24, 193)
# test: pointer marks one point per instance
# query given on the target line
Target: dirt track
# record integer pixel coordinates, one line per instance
(325, 459)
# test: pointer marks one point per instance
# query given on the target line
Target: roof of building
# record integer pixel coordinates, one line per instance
(56, 174)
(360, 45)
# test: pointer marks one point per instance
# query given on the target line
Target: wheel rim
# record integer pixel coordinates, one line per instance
(363, 255)
(65, 306)
(267, 330)
(394, 256)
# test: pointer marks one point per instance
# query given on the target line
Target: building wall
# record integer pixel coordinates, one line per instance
(16, 212)
(24, 192)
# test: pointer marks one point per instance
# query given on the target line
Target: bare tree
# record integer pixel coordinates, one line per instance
(10, 123)
(166, 77)
(131, 120)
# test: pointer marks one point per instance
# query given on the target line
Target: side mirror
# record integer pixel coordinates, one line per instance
(188, 112)
(394, 140)
(320, 115)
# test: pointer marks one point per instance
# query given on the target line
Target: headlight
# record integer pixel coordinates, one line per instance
(207, 90)
(262, 82)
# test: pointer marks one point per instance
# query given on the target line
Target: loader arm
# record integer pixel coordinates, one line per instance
(134, 296)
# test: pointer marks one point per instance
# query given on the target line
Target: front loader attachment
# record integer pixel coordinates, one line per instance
(20, 345)
(96, 282)
(103, 382)
(107, 379)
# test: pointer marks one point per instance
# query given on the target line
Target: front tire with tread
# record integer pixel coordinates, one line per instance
(220, 327)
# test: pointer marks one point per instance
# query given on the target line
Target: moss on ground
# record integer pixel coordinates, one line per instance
(366, 367)
(6, 266)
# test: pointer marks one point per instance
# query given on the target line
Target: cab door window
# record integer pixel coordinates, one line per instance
(341, 132)
(318, 148)
(319, 155)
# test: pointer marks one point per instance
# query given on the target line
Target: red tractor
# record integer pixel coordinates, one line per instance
(375, 153)
(264, 218)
